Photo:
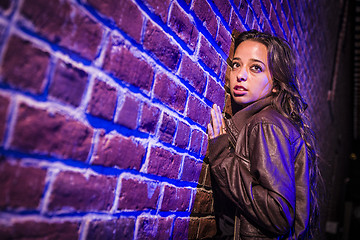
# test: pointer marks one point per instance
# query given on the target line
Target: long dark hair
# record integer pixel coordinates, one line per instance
(289, 102)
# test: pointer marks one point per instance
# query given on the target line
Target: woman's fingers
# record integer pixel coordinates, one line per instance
(217, 122)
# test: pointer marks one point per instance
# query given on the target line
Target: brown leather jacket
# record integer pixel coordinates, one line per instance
(260, 176)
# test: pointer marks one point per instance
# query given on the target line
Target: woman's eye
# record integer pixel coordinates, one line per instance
(235, 65)
(256, 68)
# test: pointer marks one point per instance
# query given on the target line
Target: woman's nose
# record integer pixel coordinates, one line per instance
(242, 75)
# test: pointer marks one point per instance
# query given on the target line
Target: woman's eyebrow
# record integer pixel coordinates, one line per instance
(256, 60)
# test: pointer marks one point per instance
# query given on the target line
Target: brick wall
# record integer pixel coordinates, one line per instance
(104, 107)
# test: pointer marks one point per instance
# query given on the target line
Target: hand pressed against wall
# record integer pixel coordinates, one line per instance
(216, 126)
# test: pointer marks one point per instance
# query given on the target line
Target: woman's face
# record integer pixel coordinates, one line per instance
(250, 77)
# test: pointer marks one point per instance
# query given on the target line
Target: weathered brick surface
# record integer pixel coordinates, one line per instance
(164, 163)
(167, 128)
(122, 228)
(149, 118)
(203, 11)
(175, 199)
(45, 132)
(182, 135)
(64, 24)
(182, 25)
(128, 112)
(125, 14)
(207, 228)
(153, 227)
(194, 107)
(224, 8)
(163, 48)
(4, 108)
(119, 151)
(20, 187)
(169, 92)
(203, 202)
(159, 7)
(35, 229)
(121, 63)
(68, 84)
(138, 195)
(181, 228)
(223, 39)
(195, 142)
(25, 66)
(215, 92)
(103, 100)
(209, 56)
(192, 73)
(193, 228)
(73, 191)
(191, 170)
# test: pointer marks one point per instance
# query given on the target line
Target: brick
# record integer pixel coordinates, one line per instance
(235, 23)
(207, 228)
(169, 92)
(64, 24)
(250, 18)
(20, 187)
(122, 228)
(175, 199)
(125, 14)
(138, 195)
(149, 118)
(159, 7)
(192, 73)
(204, 170)
(275, 23)
(182, 135)
(73, 192)
(131, 69)
(256, 4)
(267, 5)
(209, 56)
(33, 229)
(180, 23)
(204, 146)
(4, 108)
(164, 163)
(128, 112)
(103, 100)
(194, 228)
(119, 151)
(191, 170)
(206, 15)
(161, 46)
(181, 228)
(203, 202)
(198, 111)
(215, 92)
(25, 66)
(195, 141)
(223, 39)
(243, 8)
(154, 227)
(68, 84)
(55, 135)
(236, 3)
(224, 8)
(167, 128)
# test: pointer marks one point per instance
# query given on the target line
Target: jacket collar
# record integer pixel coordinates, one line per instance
(239, 119)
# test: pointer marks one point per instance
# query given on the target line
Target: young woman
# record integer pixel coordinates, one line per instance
(261, 155)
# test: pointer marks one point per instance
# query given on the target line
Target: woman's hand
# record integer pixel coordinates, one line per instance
(216, 126)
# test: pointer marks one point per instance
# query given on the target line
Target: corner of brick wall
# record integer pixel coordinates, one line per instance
(104, 107)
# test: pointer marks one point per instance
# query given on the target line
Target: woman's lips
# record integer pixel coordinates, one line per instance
(239, 90)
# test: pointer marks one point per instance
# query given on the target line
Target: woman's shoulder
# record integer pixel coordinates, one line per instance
(270, 117)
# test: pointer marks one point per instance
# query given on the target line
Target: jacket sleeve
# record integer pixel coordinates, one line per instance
(265, 191)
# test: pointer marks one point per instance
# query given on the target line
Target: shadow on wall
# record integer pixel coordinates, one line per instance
(104, 107)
